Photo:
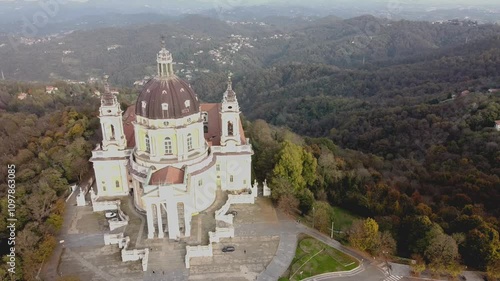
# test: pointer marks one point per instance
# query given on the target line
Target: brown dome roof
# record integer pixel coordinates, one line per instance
(167, 98)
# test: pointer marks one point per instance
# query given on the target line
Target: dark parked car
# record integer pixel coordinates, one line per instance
(228, 249)
(234, 213)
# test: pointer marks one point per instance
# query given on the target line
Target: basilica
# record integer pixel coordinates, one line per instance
(171, 152)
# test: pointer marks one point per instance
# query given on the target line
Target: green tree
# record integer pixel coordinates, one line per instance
(306, 199)
(290, 165)
(309, 164)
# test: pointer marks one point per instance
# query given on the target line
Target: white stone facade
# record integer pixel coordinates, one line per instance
(173, 166)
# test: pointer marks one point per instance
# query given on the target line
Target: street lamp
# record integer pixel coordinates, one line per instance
(313, 216)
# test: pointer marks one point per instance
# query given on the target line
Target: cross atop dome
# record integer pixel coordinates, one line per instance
(165, 61)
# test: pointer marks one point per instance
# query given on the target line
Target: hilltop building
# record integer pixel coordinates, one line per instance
(171, 152)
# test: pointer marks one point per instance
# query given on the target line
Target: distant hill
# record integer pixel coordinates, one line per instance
(127, 53)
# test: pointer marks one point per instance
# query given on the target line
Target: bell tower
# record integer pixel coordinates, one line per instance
(110, 115)
(230, 117)
(111, 157)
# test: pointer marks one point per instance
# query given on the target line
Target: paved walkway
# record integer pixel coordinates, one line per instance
(50, 268)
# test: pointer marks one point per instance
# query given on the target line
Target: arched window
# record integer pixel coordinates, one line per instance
(168, 145)
(112, 132)
(148, 144)
(117, 183)
(230, 128)
(190, 142)
(205, 129)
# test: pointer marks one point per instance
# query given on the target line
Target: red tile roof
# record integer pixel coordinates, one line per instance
(128, 127)
(214, 122)
(167, 175)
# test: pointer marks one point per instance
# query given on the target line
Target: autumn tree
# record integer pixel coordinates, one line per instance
(482, 246)
(288, 204)
(493, 270)
(363, 234)
(322, 215)
(442, 253)
(418, 265)
(385, 244)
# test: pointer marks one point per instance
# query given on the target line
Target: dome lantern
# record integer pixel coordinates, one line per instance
(165, 61)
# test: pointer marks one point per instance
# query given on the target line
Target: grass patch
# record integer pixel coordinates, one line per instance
(313, 257)
(342, 218)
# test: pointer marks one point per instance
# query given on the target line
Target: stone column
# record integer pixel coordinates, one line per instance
(151, 227)
(160, 221)
(123, 170)
(173, 219)
(187, 222)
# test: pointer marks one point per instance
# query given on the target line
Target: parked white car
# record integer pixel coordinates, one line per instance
(110, 215)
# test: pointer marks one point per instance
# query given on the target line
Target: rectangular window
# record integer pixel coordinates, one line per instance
(231, 179)
(190, 142)
(148, 144)
(103, 186)
(168, 146)
(200, 182)
(244, 182)
(217, 167)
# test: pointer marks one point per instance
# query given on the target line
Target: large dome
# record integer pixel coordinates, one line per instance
(167, 98)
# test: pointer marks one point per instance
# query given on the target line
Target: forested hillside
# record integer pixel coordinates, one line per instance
(411, 144)
(48, 138)
(392, 120)
(127, 53)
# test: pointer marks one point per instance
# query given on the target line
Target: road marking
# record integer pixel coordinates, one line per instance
(393, 278)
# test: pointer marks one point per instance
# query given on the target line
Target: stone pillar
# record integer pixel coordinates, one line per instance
(93, 196)
(160, 221)
(151, 226)
(123, 169)
(187, 222)
(255, 189)
(173, 219)
(267, 190)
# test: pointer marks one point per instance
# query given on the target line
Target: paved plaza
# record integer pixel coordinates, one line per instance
(265, 244)
(82, 251)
